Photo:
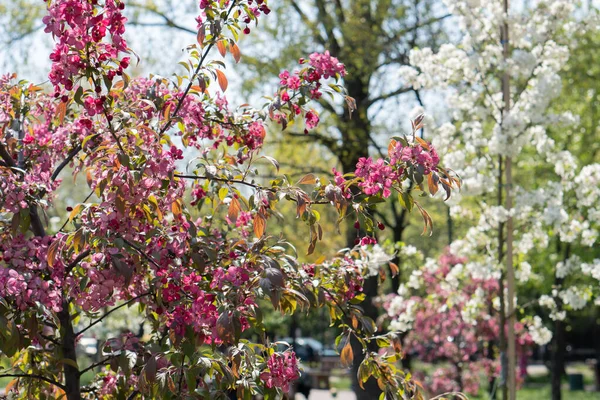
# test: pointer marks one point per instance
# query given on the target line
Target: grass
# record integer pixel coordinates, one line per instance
(536, 387)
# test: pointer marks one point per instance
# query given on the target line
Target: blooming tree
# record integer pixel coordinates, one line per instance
(187, 244)
(446, 314)
(479, 72)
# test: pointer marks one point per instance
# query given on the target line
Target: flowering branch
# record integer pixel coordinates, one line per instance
(193, 77)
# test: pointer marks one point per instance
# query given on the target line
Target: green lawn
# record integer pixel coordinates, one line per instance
(536, 387)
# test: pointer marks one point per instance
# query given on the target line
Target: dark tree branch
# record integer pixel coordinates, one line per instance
(339, 11)
(8, 160)
(66, 161)
(168, 22)
(325, 19)
(33, 376)
(76, 261)
(225, 180)
(141, 252)
(386, 96)
(326, 141)
(315, 32)
(416, 27)
(97, 364)
(112, 311)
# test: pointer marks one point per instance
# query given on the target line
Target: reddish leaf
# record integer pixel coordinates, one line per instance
(222, 79)
(234, 209)
(394, 269)
(222, 46)
(235, 52)
(347, 355)
(52, 249)
(259, 225)
(61, 111)
(201, 36)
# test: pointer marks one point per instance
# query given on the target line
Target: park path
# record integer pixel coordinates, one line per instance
(317, 394)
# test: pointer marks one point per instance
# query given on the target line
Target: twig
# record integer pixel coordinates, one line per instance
(193, 77)
(141, 252)
(111, 311)
(33, 376)
(214, 178)
(76, 261)
(99, 363)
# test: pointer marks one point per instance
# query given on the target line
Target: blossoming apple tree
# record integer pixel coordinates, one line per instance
(188, 245)
(501, 89)
(440, 308)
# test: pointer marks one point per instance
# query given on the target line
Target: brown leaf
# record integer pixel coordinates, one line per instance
(151, 369)
(167, 113)
(88, 177)
(225, 327)
(52, 249)
(234, 209)
(176, 208)
(259, 225)
(391, 146)
(308, 179)
(61, 111)
(222, 79)
(222, 46)
(201, 36)
(422, 143)
(432, 183)
(394, 269)
(347, 355)
(235, 52)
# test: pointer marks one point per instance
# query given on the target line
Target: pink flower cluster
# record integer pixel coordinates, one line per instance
(442, 333)
(80, 31)
(199, 312)
(324, 66)
(21, 262)
(320, 66)
(283, 370)
(416, 155)
(250, 11)
(377, 176)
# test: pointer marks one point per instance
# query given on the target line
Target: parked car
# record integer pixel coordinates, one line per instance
(308, 349)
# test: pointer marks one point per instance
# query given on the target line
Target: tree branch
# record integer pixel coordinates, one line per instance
(99, 363)
(315, 32)
(214, 178)
(168, 21)
(112, 311)
(415, 27)
(141, 252)
(76, 261)
(34, 376)
(328, 142)
(8, 160)
(193, 77)
(386, 96)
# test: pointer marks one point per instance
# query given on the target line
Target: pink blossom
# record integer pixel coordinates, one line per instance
(282, 370)
(311, 119)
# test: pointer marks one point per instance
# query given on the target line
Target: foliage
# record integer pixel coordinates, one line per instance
(196, 281)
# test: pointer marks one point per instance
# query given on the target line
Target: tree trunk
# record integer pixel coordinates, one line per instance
(72, 378)
(558, 359)
(355, 145)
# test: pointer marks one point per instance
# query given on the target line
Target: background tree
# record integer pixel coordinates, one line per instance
(188, 244)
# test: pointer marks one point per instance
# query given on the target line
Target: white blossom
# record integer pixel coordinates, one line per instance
(539, 333)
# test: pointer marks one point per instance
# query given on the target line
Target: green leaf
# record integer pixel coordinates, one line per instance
(406, 201)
